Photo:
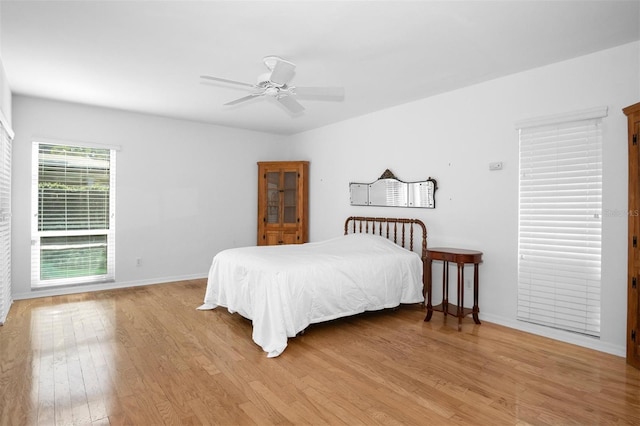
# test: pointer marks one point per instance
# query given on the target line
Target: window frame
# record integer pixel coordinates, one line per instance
(36, 235)
(550, 292)
(6, 144)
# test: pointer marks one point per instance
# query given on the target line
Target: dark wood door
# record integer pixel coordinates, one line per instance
(633, 276)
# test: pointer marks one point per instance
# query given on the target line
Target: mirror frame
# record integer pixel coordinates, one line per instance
(389, 191)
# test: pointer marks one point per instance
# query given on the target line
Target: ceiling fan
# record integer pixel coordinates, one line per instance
(276, 84)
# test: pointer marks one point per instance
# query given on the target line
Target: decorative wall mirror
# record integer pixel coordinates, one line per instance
(389, 191)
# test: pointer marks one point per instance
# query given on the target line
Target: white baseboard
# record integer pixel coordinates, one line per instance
(60, 291)
(3, 315)
(561, 335)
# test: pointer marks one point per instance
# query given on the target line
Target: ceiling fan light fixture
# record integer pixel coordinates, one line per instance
(272, 91)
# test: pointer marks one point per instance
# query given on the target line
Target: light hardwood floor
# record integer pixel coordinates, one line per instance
(146, 356)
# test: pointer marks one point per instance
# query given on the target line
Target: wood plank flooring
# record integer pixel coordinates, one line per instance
(146, 356)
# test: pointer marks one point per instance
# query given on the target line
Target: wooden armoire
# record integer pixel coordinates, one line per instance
(633, 277)
(283, 200)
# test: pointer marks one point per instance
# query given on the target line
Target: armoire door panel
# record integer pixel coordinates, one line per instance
(633, 258)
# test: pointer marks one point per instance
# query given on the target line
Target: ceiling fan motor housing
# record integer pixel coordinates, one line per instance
(272, 91)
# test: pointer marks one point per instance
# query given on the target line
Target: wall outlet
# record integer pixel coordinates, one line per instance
(138, 261)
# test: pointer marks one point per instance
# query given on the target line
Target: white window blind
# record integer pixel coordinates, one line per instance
(73, 225)
(560, 206)
(5, 224)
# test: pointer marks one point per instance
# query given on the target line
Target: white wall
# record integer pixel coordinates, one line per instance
(453, 137)
(184, 190)
(5, 99)
(5, 92)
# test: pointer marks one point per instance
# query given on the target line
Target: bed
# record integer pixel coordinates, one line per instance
(283, 289)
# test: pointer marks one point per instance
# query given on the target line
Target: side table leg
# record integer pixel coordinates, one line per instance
(476, 308)
(445, 288)
(427, 279)
(460, 312)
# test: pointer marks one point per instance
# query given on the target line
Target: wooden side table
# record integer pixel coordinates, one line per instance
(460, 257)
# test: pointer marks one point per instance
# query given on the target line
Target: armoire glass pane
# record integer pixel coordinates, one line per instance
(273, 197)
(290, 197)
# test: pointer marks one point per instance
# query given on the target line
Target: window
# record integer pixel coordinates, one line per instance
(73, 221)
(560, 205)
(5, 221)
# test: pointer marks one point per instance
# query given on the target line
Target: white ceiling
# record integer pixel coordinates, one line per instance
(147, 56)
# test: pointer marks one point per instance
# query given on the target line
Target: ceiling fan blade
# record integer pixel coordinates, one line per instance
(320, 92)
(290, 104)
(224, 80)
(244, 99)
(282, 72)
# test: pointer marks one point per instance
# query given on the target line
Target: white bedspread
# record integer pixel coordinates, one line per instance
(283, 289)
